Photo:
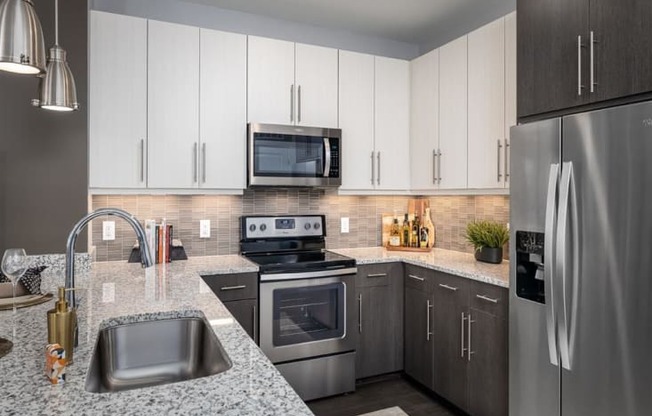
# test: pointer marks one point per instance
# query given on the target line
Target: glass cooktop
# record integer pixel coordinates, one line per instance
(300, 261)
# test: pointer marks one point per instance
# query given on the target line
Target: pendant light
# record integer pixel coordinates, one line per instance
(22, 47)
(57, 89)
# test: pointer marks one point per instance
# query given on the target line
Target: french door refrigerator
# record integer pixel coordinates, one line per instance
(581, 265)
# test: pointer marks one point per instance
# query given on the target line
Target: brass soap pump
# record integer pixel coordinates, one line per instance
(62, 321)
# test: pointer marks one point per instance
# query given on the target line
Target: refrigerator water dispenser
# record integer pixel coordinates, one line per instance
(530, 266)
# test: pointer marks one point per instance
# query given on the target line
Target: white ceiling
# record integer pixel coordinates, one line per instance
(420, 22)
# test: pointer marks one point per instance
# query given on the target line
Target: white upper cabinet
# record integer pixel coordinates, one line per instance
(392, 124)
(271, 89)
(510, 87)
(118, 101)
(292, 84)
(223, 110)
(356, 104)
(452, 168)
(487, 105)
(316, 86)
(173, 103)
(424, 120)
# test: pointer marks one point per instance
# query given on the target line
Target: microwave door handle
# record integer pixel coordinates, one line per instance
(327, 157)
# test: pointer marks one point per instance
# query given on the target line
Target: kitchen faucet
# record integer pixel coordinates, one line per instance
(145, 254)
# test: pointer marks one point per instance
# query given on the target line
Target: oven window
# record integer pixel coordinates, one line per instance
(288, 156)
(308, 314)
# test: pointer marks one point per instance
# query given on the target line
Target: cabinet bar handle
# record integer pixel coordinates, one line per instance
(225, 288)
(469, 321)
(498, 174)
(506, 160)
(360, 313)
(488, 299)
(255, 321)
(579, 65)
(454, 289)
(592, 42)
(421, 279)
(439, 166)
(434, 167)
(378, 168)
(299, 104)
(462, 335)
(377, 275)
(142, 160)
(292, 102)
(194, 160)
(373, 168)
(203, 157)
(428, 307)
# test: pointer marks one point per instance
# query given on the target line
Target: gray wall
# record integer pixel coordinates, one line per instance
(211, 17)
(43, 154)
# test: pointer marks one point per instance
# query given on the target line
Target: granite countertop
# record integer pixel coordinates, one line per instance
(108, 290)
(453, 262)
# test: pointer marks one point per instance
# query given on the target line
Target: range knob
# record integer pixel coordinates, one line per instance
(252, 227)
(307, 226)
(263, 227)
(317, 226)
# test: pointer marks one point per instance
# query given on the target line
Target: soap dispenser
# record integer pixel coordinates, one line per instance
(62, 321)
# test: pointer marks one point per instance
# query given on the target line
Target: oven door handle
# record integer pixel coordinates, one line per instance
(327, 157)
(307, 275)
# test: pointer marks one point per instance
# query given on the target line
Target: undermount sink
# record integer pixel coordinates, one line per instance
(151, 353)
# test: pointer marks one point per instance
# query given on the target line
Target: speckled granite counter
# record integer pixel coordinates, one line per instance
(252, 386)
(453, 262)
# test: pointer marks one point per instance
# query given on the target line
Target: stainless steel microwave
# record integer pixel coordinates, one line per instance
(293, 156)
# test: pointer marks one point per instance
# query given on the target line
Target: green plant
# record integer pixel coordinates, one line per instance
(486, 234)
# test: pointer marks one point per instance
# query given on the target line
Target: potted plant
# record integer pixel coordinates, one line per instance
(488, 239)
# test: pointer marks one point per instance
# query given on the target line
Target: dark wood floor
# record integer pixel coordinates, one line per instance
(388, 391)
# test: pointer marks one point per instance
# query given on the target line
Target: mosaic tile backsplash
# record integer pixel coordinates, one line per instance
(449, 213)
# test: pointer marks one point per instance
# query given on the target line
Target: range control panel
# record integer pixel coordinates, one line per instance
(284, 226)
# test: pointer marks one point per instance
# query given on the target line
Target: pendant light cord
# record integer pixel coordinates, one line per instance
(56, 22)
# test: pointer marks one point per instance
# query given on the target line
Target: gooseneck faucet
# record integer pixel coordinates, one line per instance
(146, 257)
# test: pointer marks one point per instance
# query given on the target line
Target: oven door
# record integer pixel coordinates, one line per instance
(307, 317)
(293, 156)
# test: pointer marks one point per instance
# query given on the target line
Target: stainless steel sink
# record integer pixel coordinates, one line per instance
(152, 353)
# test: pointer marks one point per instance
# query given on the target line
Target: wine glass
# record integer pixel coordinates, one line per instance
(14, 265)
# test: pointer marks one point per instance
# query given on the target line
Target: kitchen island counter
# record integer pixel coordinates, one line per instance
(447, 261)
(110, 290)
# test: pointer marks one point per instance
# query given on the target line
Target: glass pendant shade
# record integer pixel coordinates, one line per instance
(22, 47)
(57, 89)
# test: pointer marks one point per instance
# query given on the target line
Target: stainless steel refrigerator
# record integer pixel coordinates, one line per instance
(581, 265)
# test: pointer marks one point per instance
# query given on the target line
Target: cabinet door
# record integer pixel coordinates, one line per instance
(118, 101)
(379, 291)
(356, 108)
(548, 62)
(487, 370)
(270, 75)
(418, 336)
(173, 105)
(453, 114)
(623, 36)
(392, 124)
(244, 311)
(424, 120)
(316, 86)
(510, 88)
(486, 105)
(449, 333)
(223, 110)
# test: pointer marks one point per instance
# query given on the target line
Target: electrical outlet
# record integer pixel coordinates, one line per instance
(108, 230)
(344, 225)
(204, 228)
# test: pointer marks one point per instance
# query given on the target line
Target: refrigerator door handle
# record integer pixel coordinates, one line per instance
(567, 206)
(549, 267)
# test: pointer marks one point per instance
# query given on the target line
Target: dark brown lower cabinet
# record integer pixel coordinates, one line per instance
(379, 294)
(456, 339)
(245, 312)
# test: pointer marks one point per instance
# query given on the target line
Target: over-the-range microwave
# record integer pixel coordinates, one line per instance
(280, 155)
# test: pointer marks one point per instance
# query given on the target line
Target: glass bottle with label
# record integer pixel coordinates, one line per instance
(395, 234)
(416, 226)
(406, 231)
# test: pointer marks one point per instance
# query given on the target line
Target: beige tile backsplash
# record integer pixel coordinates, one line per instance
(449, 213)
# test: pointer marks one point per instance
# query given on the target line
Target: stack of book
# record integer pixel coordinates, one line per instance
(159, 239)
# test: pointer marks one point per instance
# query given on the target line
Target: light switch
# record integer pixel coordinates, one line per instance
(344, 225)
(204, 228)
(108, 230)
